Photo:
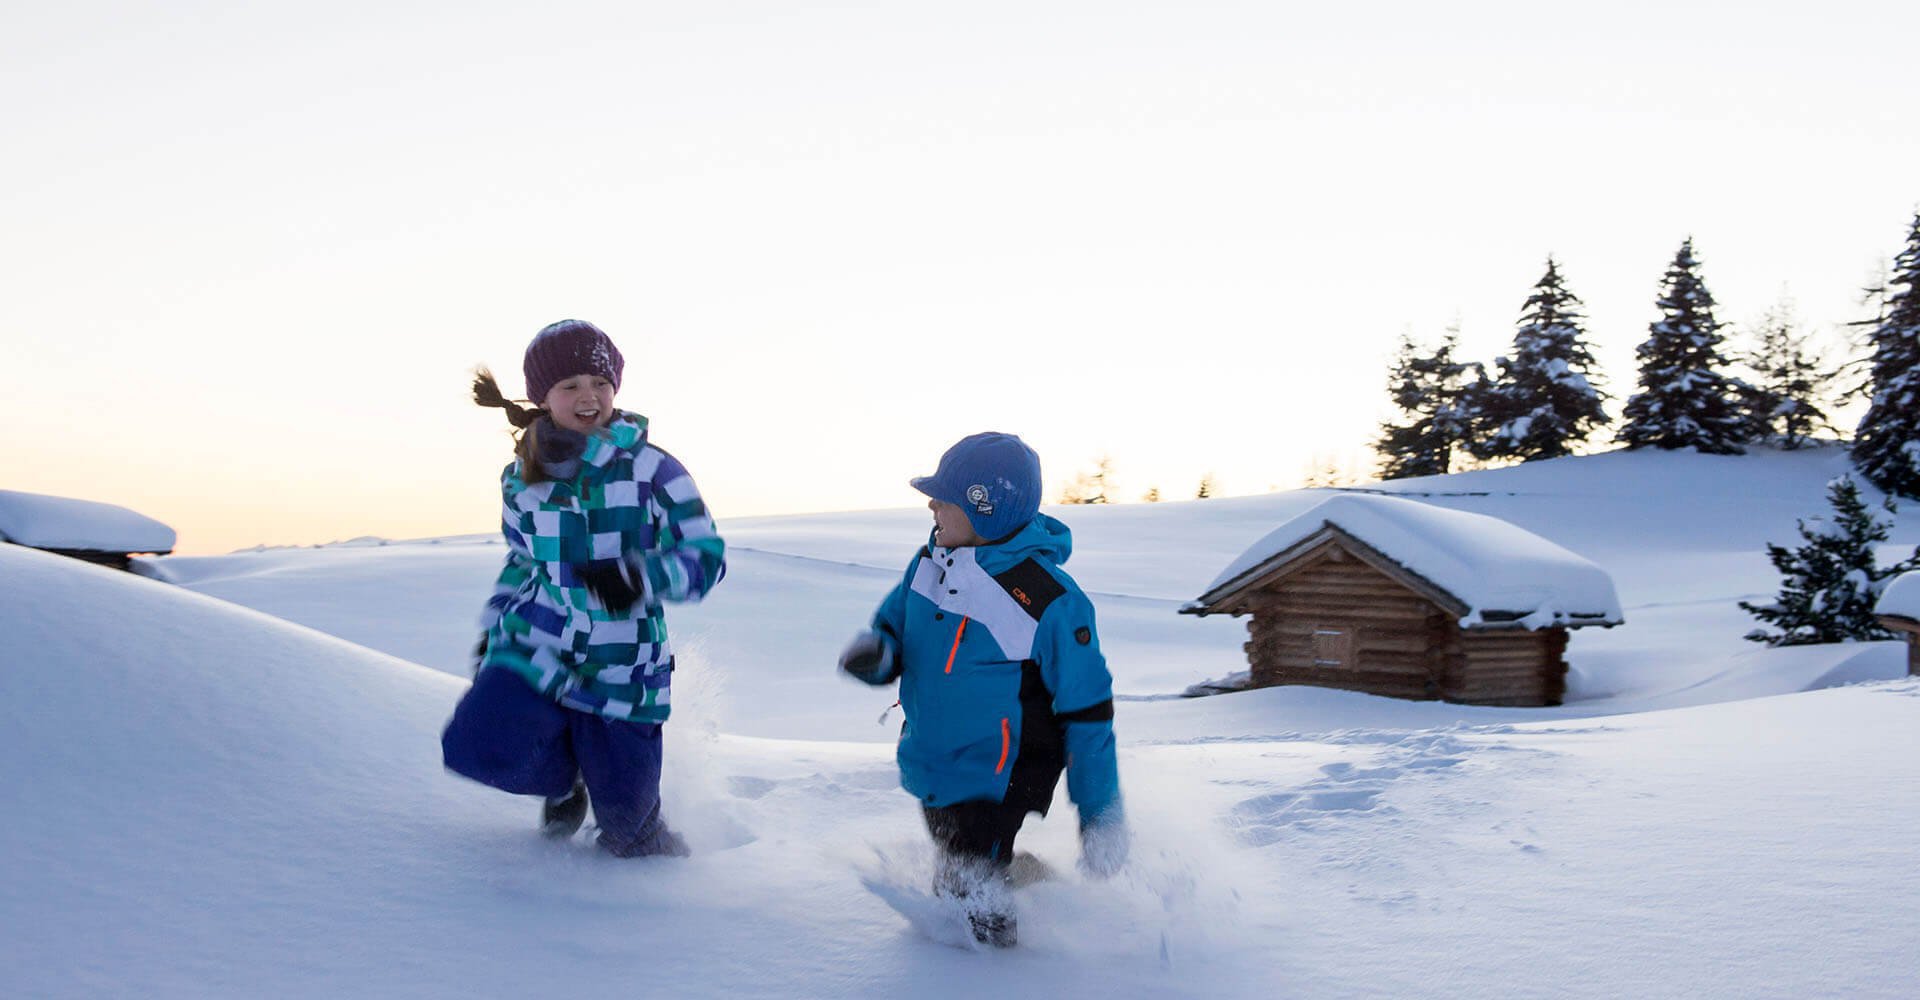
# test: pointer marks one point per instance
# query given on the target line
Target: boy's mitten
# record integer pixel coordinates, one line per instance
(615, 583)
(867, 657)
(479, 654)
(1104, 843)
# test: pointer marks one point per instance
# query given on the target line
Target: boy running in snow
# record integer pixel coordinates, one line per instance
(571, 676)
(1001, 679)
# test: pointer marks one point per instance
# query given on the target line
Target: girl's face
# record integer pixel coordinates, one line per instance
(950, 525)
(581, 403)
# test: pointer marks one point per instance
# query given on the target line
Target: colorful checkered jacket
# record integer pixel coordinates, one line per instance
(632, 502)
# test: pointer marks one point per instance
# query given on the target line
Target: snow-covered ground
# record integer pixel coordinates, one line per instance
(48, 522)
(232, 787)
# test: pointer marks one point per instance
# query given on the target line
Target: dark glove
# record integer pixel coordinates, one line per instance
(479, 653)
(613, 582)
(867, 656)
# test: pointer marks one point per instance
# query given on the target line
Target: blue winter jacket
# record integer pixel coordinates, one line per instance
(1001, 676)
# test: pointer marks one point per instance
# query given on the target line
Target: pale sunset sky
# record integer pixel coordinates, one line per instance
(252, 252)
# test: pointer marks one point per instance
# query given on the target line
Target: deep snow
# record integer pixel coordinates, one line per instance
(50, 522)
(204, 799)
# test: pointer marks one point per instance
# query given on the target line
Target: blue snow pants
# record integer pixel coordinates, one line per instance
(505, 734)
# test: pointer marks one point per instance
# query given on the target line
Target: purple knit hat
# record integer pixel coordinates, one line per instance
(568, 348)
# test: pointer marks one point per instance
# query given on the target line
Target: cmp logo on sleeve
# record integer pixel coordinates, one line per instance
(1030, 586)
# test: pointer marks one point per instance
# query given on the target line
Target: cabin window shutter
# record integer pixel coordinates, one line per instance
(1332, 646)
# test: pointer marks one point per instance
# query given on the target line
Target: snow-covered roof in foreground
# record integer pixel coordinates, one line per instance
(45, 522)
(1500, 572)
(1901, 598)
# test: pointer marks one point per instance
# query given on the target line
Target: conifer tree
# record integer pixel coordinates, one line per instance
(1684, 400)
(1830, 583)
(1886, 446)
(1094, 487)
(1207, 488)
(1429, 387)
(1544, 401)
(1790, 385)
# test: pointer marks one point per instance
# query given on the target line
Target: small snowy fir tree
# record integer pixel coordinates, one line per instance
(1544, 402)
(1207, 488)
(1829, 585)
(1429, 387)
(1684, 400)
(1886, 446)
(1790, 385)
(1326, 472)
(1093, 487)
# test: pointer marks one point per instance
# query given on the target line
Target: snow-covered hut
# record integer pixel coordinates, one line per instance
(1898, 609)
(84, 529)
(1395, 597)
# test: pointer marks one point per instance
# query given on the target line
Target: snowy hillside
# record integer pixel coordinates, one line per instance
(205, 799)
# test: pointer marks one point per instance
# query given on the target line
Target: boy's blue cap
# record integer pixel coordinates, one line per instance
(994, 477)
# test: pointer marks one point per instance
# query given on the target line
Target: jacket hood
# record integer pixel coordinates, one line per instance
(1043, 536)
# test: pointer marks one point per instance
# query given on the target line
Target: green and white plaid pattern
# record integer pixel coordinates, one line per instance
(631, 502)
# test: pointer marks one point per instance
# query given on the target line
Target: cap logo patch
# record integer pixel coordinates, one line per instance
(977, 495)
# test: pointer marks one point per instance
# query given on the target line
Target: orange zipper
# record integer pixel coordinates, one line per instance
(956, 643)
(1006, 742)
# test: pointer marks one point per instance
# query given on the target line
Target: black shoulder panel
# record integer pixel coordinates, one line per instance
(1102, 712)
(1030, 586)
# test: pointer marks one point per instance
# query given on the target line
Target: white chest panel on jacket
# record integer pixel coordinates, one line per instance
(955, 582)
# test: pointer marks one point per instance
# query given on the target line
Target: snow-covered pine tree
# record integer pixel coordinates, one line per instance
(1684, 400)
(1790, 385)
(1094, 487)
(1544, 401)
(1829, 584)
(1428, 387)
(1886, 446)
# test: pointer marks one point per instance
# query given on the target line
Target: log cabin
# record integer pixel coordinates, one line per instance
(97, 532)
(1395, 597)
(1898, 610)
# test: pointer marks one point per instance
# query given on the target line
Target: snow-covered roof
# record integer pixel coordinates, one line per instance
(1901, 598)
(45, 522)
(1500, 573)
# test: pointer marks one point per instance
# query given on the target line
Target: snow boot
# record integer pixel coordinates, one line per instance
(993, 929)
(982, 888)
(561, 817)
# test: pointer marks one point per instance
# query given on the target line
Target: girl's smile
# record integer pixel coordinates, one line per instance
(581, 403)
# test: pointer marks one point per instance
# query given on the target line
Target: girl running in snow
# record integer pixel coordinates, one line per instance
(571, 676)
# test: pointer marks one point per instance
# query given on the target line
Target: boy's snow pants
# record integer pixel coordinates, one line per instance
(977, 831)
(505, 734)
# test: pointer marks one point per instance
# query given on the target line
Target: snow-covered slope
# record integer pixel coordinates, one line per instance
(203, 800)
(1682, 535)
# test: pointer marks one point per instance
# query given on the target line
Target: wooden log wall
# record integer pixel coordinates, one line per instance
(1390, 639)
(1338, 622)
(1514, 667)
(117, 560)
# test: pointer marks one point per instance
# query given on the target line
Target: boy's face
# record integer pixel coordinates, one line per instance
(951, 528)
